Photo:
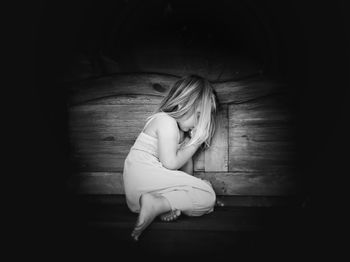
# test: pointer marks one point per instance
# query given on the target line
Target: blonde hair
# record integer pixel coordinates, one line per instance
(192, 93)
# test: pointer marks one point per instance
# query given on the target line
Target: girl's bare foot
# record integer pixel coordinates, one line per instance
(219, 203)
(152, 205)
(171, 215)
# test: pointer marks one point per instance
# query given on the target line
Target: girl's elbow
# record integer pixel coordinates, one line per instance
(169, 164)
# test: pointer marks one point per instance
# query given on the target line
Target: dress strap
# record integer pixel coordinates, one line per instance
(148, 121)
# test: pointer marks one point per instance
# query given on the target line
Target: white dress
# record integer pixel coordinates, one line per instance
(144, 173)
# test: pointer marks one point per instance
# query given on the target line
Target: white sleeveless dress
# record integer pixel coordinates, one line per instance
(144, 173)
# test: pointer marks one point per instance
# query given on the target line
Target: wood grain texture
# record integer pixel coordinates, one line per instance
(230, 201)
(245, 90)
(119, 84)
(252, 152)
(216, 156)
(251, 183)
(101, 135)
(224, 183)
(127, 100)
(261, 136)
(158, 85)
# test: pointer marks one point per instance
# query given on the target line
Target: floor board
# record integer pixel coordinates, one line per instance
(101, 227)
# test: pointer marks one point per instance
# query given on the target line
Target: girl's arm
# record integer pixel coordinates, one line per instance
(188, 167)
(168, 137)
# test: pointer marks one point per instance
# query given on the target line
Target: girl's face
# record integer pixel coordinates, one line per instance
(188, 121)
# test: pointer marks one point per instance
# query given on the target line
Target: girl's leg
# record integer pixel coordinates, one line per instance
(152, 205)
(203, 202)
(174, 214)
(190, 201)
(218, 203)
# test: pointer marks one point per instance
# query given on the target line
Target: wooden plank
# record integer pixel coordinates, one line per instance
(224, 183)
(119, 200)
(232, 219)
(261, 136)
(245, 90)
(216, 157)
(120, 84)
(127, 100)
(256, 183)
(96, 183)
(158, 85)
(102, 135)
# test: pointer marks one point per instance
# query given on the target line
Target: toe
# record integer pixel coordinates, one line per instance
(165, 216)
(219, 203)
(135, 235)
(170, 216)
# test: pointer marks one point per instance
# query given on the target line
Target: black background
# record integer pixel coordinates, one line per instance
(48, 36)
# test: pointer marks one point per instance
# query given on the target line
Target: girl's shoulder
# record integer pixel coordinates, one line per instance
(159, 121)
(164, 120)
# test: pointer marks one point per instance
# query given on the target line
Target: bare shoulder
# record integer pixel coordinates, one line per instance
(166, 127)
(162, 122)
(165, 122)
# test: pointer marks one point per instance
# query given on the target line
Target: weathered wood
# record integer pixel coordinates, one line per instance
(119, 200)
(261, 136)
(254, 140)
(127, 100)
(216, 156)
(224, 183)
(245, 90)
(101, 135)
(120, 84)
(101, 228)
(158, 85)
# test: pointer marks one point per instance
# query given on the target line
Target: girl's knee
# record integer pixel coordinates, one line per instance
(208, 200)
(212, 199)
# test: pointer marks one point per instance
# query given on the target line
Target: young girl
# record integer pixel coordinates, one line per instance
(158, 169)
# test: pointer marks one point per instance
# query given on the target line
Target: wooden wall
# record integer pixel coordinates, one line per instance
(253, 150)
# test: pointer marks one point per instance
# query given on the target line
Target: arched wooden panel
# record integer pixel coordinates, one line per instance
(146, 84)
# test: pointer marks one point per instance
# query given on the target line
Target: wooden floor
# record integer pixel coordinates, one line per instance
(101, 226)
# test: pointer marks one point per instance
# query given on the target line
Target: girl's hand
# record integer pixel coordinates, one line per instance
(187, 138)
(168, 144)
(192, 133)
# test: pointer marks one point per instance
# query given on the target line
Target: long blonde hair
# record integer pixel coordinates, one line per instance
(193, 93)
